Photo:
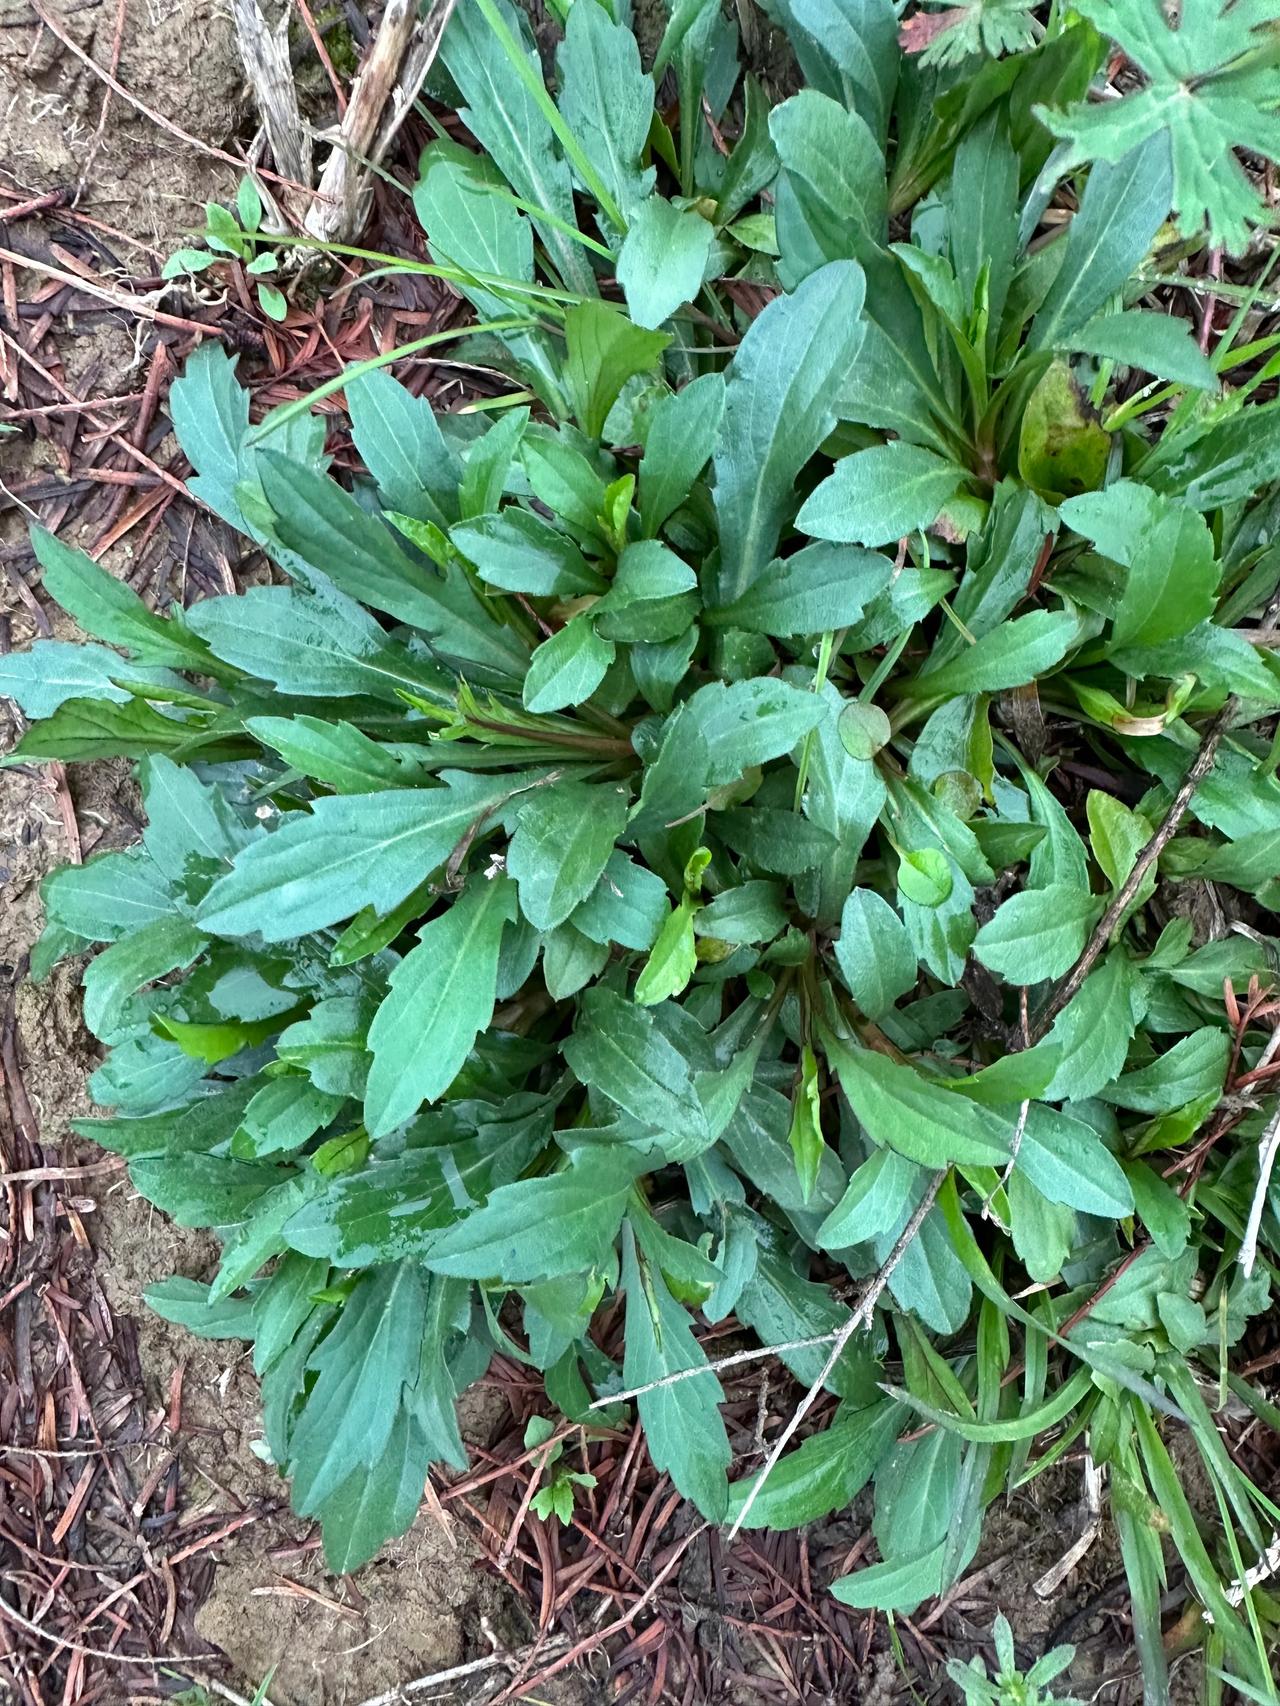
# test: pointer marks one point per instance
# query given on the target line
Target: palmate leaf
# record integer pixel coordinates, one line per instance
(1210, 89)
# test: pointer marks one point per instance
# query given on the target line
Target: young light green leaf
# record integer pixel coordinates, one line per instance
(673, 959)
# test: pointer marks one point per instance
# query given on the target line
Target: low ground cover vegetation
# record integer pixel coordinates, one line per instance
(775, 817)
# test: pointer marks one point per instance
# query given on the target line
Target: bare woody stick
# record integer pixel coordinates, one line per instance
(385, 90)
(859, 1319)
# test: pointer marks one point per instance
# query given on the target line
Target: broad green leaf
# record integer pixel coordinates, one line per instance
(925, 876)
(109, 609)
(897, 1584)
(329, 1045)
(831, 200)
(332, 533)
(537, 1229)
(562, 842)
(607, 102)
(663, 260)
(108, 896)
(53, 671)
(752, 912)
(567, 668)
(192, 832)
(843, 796)
(775, 840)
(849, 50)
(780, 403)
(570, 960)
(1167, 550)
(627, 906)
(513, 129)
(603, 351)
(349, 851)
(1094, 1030)
(681, 436)
(518, 551)
(400, 443)
(283, 1115)
(820, 587)
(360, 1370)
(872, 1203)
(874, 953)
(618, 1050)
(822, 1475)
(397, 1207)
(186, 1303)
(749, 722)
(683, 1428)
(206, 1121)
(1123, 206)
(317, 645)
(83, 729)
(1195, 1066)
(441, 996)
(1066, 1160)
(1017, 652)
(337, 754)
(876, 496)
(1156, 343)
(201, 1190)
(1037, 934)
(921, 1120)
(164, 945)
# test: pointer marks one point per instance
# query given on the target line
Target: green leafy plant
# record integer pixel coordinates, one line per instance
(555, 1495)
(733, 826)
(1009, 1687)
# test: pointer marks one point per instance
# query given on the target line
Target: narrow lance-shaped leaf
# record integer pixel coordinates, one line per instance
(441, 997)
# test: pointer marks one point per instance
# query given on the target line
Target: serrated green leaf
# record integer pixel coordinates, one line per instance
(440, 997)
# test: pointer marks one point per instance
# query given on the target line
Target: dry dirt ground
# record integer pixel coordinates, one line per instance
(426, 1605)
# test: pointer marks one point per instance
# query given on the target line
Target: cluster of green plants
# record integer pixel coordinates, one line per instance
(773, 817)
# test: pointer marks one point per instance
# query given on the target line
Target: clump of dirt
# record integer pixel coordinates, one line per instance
(61, 127)
(423, 1606)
